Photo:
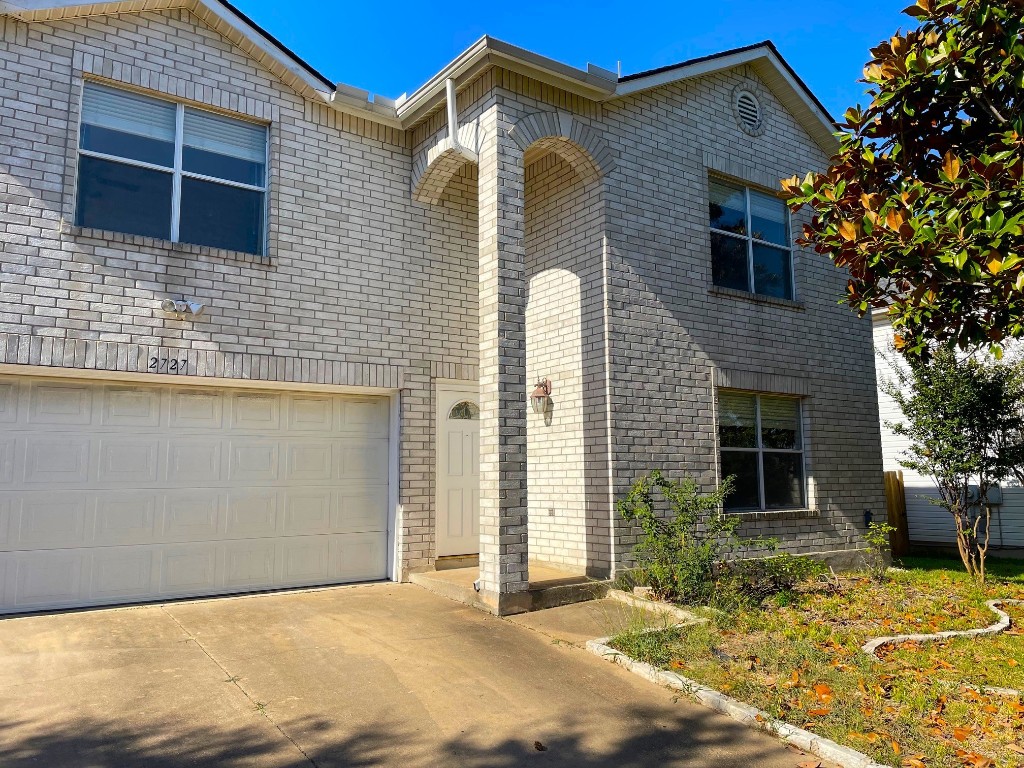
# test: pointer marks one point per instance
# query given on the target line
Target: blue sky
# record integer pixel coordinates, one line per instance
(392, 48)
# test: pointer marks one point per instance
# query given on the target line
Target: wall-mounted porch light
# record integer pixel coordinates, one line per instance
(540, 398)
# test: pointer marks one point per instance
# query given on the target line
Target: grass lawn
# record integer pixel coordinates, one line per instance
(801, 662)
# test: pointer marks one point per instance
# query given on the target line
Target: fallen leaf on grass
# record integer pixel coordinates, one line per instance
(917, 761)
(824, 693)
(1015, 748)
(977, 761)
(962, 734)
(818, 712)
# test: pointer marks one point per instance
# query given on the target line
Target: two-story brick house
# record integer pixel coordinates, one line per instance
(261, 330)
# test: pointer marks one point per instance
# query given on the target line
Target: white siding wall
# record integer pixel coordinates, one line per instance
(927, 522)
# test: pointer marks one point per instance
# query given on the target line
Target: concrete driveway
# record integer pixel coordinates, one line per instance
(383, 674)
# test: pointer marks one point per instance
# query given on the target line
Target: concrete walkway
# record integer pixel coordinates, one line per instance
(382, 674)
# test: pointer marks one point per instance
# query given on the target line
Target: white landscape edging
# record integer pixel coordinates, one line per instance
(750, 716)
(758, 719)
(871, 646)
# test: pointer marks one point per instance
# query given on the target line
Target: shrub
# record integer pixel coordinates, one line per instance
(682, 554)
(757, 579)
(876, 553)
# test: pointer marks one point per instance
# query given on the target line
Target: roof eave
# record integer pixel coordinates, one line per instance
(488, 51)
(771, 68)
(219, 15)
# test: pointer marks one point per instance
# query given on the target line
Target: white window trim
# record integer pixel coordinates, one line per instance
(178, 172)
(760, 450)
(751, 240)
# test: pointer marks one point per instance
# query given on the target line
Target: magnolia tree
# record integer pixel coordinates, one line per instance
(964, 420)
(924, 203)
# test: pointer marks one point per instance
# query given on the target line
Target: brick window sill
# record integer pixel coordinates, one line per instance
(756, 298)
(141, 241)
(778, 514)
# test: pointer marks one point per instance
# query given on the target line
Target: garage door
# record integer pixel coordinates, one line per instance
(113, 493)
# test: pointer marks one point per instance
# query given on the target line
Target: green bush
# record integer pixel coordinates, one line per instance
(755, 580)
(876, 551)
(681, 553)
(687, 553)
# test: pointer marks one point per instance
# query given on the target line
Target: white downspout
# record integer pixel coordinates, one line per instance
(453, 114)
(453, 140)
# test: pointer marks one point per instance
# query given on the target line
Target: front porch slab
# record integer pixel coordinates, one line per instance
(548, 587)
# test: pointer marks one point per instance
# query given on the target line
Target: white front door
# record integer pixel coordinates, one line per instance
(458, 470)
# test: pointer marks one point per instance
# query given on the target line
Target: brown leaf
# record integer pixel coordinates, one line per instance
(962, 734)
(951, 165)
(848, 230)
(917, 761)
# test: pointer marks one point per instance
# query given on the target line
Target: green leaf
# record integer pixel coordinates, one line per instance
(994, 223)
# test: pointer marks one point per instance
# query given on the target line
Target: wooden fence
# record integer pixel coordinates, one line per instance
(896, 509)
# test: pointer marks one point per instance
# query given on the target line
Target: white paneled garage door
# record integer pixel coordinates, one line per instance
(113, 493)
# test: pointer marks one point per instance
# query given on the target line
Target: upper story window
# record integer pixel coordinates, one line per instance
(750, 245)
(761, 444)
(160, 169)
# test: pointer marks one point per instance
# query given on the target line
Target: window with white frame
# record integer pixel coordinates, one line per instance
(161, 169)
(750, 242)
(761, 444)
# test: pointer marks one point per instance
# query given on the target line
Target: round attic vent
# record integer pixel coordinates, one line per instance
(748, 111)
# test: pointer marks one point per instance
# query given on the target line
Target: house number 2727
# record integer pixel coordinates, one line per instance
(168, 365)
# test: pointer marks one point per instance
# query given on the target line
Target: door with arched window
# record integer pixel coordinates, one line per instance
(457, 528)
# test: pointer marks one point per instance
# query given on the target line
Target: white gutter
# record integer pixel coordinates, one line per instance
(594, 83)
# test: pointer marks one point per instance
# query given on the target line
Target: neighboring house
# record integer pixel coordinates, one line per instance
(927, 523)
(373, 300)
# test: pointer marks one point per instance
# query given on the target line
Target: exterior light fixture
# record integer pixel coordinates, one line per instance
(540, 398)
(183, 308)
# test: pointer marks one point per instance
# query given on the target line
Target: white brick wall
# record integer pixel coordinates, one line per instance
(563, 264)
(671, 329)
(362, 285)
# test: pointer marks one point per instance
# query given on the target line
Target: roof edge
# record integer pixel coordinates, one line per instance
(823, 127)
(54, 10)
(593, 82)
(404, 113)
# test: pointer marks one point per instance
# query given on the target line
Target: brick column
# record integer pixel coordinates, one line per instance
(504, 576)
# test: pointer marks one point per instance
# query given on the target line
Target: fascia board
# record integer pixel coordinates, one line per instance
(488, 51)
(770, 68)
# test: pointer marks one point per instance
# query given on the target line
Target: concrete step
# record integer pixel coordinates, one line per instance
(549, 588)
